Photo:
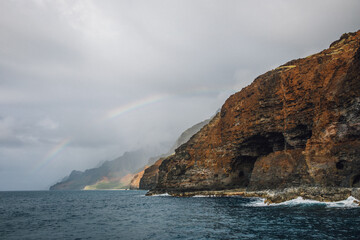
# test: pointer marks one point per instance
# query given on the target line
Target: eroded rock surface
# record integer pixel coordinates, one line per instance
(150, 176)
(135, 181)
(295, 126)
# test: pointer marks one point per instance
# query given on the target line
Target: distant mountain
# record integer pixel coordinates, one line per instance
(123, 172)
(110, 175)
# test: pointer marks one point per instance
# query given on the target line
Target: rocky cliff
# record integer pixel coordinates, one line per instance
(295, 126)
(150, 177)
(135, 181)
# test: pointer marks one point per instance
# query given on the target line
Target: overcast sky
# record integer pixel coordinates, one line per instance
(84, 81)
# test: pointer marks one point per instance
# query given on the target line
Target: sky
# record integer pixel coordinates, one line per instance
(82, 82)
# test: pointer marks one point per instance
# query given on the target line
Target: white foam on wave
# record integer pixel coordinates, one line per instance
(161, 195)
(205, 196)
(257, 202)
(348, 203)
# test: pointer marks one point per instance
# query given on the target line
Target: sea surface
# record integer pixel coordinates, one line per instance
(132, 215)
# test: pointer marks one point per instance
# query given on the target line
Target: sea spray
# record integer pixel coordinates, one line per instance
(350, 202)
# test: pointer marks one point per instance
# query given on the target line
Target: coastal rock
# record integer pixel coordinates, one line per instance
(295, 126)
(322, 194)
(356, 193)
(150, 176)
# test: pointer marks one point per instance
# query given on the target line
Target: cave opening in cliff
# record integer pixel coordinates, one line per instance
(243, 167)
(250, 150)
(340, 164)
(261, 145)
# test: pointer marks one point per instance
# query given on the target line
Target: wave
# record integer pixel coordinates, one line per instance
(215, 196)
(161, 195)
(204, 196)
(195, 196)
(347, 203)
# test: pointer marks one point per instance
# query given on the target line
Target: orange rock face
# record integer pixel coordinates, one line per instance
(135, 181)
(297, 125)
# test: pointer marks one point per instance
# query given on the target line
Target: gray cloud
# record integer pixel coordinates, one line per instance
(65, 66)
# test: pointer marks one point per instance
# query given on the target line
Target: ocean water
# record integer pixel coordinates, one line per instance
(132, 215)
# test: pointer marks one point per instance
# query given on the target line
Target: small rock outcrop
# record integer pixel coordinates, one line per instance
(150, 177)
(295, 126)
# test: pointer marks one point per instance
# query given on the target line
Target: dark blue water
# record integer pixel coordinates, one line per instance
(131, 215)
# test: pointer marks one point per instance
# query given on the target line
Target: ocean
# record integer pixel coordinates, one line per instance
(132, 215)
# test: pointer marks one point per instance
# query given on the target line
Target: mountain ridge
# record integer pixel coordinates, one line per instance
(109, 173)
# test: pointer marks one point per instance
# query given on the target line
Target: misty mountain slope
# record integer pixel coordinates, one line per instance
(148, 179)
(109, 173)
(183, 138)
(119, 173)
(187, 134)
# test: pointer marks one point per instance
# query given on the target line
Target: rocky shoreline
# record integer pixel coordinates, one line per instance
(327, 194)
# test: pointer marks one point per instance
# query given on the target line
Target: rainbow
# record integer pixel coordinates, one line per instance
(50, 156)
(126, 108)
(134, 105)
